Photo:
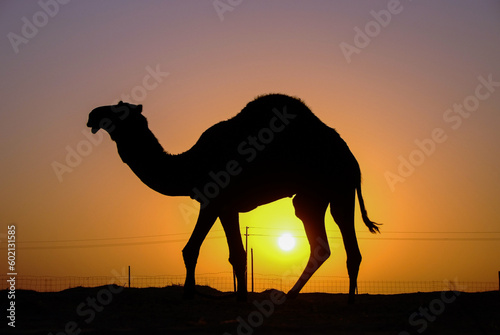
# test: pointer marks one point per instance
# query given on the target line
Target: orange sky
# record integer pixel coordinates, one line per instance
(396, 84)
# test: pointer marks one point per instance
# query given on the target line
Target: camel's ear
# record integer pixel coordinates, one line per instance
(139, 108)
(120, 103)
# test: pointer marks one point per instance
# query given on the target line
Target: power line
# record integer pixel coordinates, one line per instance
(268, 228)
(398, 238)
(436, 232)
(103, 239)
(110, 244)
(379, 238)
(390, 232)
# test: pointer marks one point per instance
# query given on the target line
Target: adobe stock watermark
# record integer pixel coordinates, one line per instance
(427, 314)
(248, 149)
(373, 28)
(76, 153)
(453, 117)
(189, 211)
(223, 6)
(88, 309)
(31, 27)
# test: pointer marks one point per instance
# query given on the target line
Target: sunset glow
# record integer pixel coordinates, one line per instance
(416, 99)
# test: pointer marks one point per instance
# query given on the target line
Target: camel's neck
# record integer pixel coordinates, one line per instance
(159, 170)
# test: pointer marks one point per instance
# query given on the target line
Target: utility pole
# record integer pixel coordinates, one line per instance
(129, 276)
(246, 255)
(252, 268)
(246, 239)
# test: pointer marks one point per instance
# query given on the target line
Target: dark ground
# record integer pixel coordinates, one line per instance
(163, 311)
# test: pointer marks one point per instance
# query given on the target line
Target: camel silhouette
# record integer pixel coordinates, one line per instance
(274, 148)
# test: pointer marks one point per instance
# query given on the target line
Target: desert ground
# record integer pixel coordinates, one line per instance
(118, 310)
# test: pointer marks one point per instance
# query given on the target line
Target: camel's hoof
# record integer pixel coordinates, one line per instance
(188, 294)
(243, 297)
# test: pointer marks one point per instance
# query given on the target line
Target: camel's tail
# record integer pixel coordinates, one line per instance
(372, 226)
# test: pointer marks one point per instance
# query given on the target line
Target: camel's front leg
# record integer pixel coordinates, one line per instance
(206, 220)
(237, 254)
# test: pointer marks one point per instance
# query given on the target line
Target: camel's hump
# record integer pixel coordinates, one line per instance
(265, 112)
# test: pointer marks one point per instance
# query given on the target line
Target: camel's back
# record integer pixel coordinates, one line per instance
(272, 132)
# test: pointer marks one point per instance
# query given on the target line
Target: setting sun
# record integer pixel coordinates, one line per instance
(286, 242)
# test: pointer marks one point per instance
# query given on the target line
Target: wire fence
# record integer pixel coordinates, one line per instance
(224, 282)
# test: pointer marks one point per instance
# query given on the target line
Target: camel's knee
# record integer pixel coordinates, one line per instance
(321, 251)
(190, 256)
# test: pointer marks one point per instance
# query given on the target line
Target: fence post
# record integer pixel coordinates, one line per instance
(129, 276)
(499, 280)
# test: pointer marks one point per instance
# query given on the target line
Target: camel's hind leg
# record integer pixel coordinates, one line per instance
(237, 254)
(311, 211)
(342, 209)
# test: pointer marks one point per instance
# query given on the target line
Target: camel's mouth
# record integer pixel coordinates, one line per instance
(93, 128)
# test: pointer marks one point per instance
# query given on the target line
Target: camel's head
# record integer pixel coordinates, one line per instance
(114, 118)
